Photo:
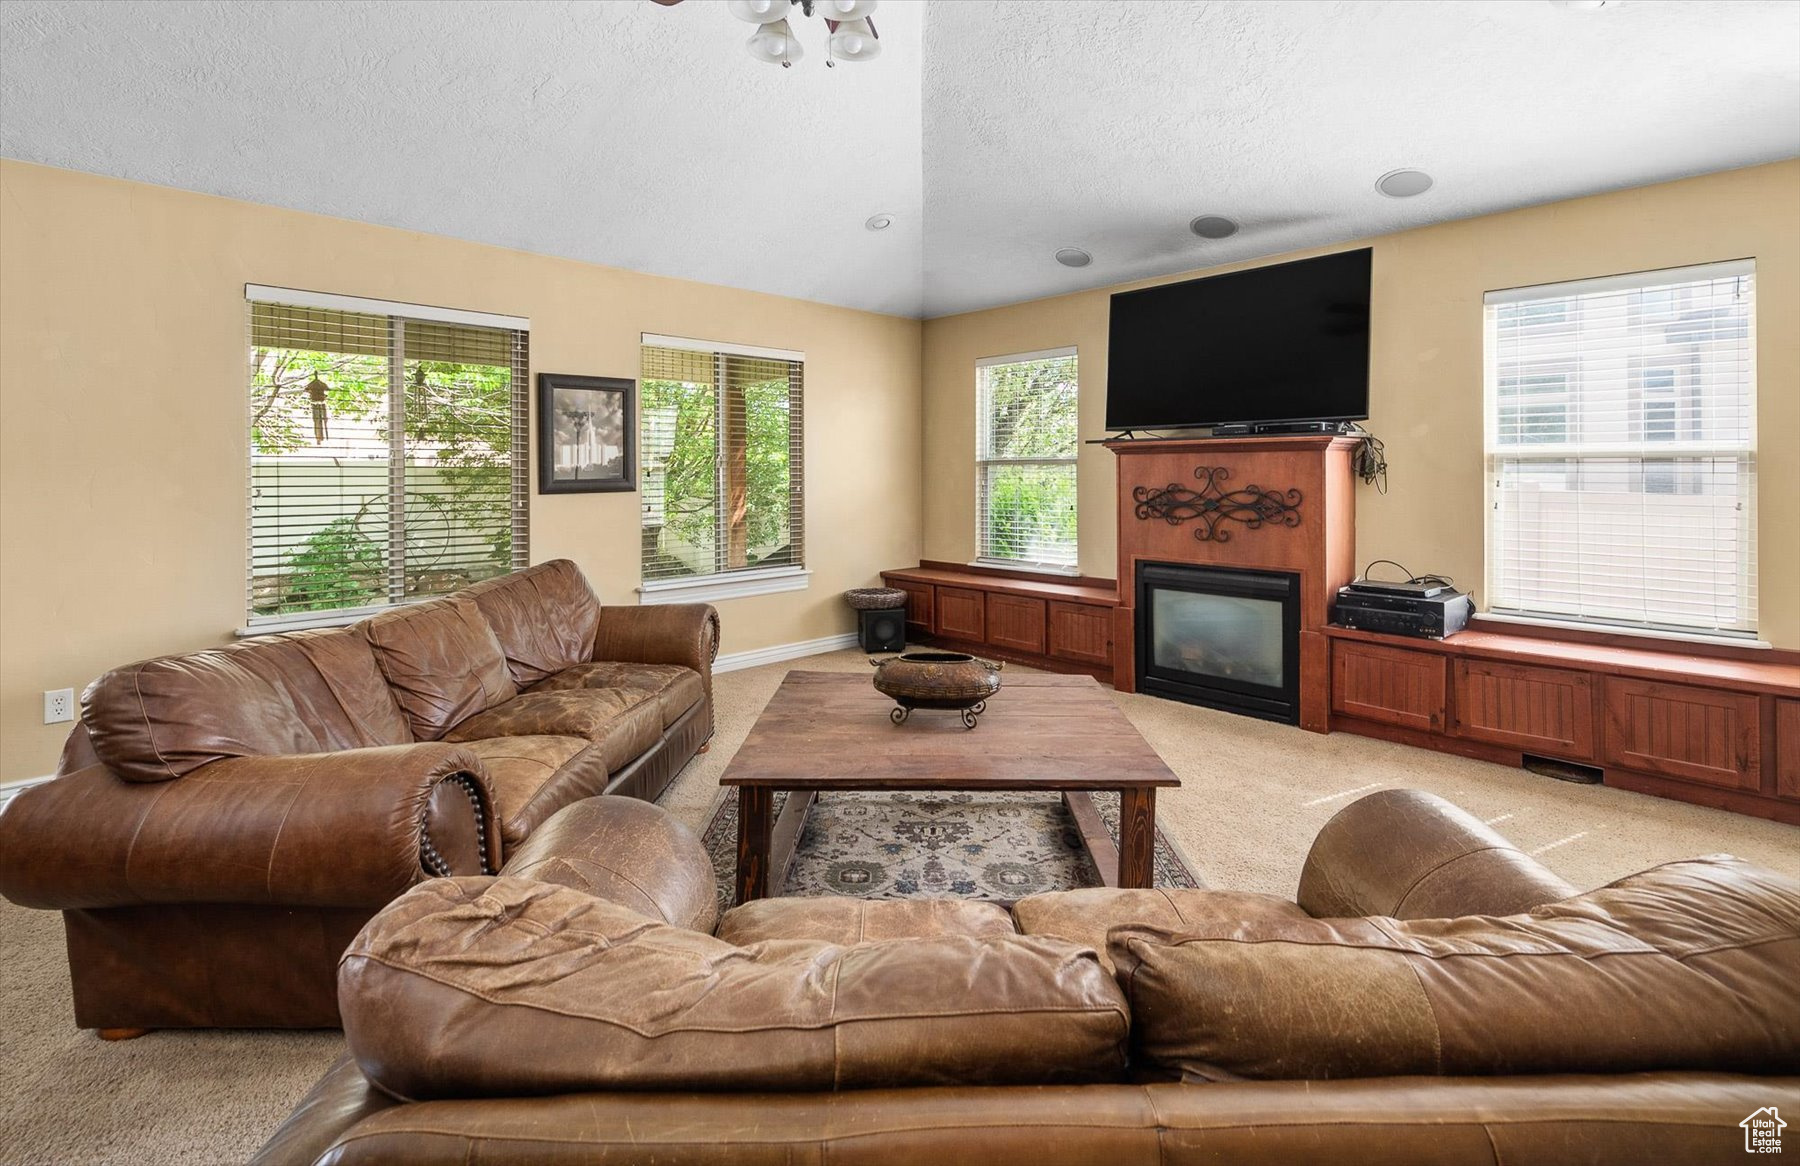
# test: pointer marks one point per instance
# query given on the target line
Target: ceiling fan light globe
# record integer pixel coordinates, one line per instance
(844, 9)
(775, 44)
(758, 11)
(854, 40)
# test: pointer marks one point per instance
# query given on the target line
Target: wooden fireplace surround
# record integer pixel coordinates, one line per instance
(1261, 503)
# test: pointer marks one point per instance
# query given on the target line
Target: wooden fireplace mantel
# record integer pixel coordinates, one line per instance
(1263, 503)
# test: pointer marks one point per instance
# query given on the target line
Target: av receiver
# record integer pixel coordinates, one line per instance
(1403, 609)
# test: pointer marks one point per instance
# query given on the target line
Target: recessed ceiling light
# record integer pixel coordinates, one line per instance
(1213, 227)
(1073, 257)
(1403, 183)
(879, 222)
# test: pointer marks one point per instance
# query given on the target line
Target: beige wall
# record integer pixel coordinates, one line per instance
(1426, 368)
(122, 447)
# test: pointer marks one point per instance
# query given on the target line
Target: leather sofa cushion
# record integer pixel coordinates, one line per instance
(1085, 916)
(544, 617)
(622, 730)
(336, 687)
(1690, 965)
(533, 777)
(493, 987)
(675, 688)
(441, 660)
(159, 719)
(834, 919)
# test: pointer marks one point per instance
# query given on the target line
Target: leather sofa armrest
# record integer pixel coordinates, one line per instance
(1408, 854)
(626, 851)
(342, 1098)
(343, 829)
(671, 633)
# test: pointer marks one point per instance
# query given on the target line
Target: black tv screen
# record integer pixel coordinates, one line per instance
(1269, 344)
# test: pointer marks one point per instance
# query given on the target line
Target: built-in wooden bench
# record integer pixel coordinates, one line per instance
(1065, 625)
(1718, 729)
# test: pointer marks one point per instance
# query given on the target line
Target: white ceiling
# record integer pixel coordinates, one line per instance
(615, 132)
(996, 131)
(1108, 126)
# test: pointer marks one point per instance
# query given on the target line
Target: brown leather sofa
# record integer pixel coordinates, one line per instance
(1433, 996)
(224, 822)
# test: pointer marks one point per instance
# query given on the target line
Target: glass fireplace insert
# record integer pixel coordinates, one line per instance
(1223, 637)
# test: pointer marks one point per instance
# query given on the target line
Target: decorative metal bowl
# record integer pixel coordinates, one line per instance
(937, 680)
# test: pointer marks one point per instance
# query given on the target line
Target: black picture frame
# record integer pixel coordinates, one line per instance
(578, 418)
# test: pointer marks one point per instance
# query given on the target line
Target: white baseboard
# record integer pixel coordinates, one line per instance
(733, 661)
(9, 788)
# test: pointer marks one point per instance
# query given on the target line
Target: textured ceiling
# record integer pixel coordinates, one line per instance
(996, 131)
(619, 133)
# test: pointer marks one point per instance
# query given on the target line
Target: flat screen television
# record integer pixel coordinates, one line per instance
(1268, 345)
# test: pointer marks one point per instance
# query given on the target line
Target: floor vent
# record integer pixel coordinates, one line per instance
(1562, 770)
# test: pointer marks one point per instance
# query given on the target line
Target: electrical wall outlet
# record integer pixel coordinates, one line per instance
(59, 706)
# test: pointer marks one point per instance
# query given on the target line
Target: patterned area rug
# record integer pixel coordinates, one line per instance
(936, 845)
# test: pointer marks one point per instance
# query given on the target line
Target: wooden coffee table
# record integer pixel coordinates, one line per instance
(830, 731)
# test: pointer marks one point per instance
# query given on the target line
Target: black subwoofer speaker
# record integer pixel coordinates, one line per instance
(882, 631)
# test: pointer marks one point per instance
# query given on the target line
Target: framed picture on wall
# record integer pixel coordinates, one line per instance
(587, 435)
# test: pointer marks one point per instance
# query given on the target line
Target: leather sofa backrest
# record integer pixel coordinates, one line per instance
(442, 661)
(159, 719)
(332, 679)
(1691, 965)
(545, 618)
(544, 989)
(293, 692)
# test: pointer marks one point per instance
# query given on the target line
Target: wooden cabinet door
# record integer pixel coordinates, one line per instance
(1015, 621)
(918, 608)
(1539, 710)
(1392, 685)
(1787, 748)
(1081, 631)
(961, 613)
(1695, 734)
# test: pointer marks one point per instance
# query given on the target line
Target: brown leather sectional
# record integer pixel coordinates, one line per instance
(224, 822)
(1433, 996)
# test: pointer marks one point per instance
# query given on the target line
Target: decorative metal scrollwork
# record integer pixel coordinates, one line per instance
(1212, 503)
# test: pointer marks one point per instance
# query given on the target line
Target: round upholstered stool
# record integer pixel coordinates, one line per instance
(875, 598)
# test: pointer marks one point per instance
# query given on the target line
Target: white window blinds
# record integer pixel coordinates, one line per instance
(1621, 445)
(387, 455)
(724, 459)
(1026, 419)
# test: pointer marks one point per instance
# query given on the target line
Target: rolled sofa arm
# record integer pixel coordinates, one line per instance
(1408, 854)
(672, 633)
(345, 829)
(629, 852)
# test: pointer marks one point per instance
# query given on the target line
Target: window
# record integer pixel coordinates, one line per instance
(723, 463)
(1621, 446)
(1025, 459)
(1534, 405)
(387, 453)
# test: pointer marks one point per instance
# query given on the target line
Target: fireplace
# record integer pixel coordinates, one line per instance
(1223, 637)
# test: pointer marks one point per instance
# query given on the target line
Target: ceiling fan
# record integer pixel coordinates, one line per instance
(850, 29)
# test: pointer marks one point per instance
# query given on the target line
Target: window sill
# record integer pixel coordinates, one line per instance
(1618, 629)
(736, 585)
(300, 621)
(1026, 568)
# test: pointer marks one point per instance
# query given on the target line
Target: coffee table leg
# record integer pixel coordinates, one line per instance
(756, 823)
(1137, 836)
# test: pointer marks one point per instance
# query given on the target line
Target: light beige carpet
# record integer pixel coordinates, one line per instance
(1252, 797)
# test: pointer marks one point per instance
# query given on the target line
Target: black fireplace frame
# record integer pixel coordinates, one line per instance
(1268, 702)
